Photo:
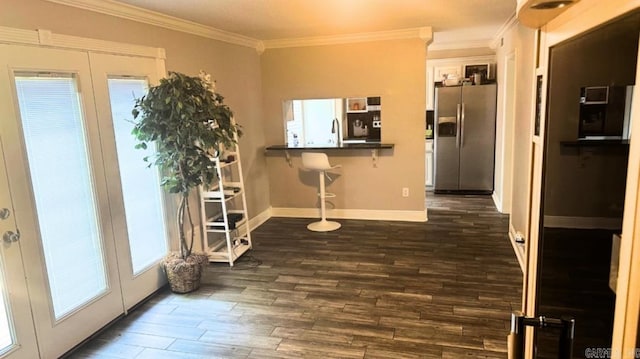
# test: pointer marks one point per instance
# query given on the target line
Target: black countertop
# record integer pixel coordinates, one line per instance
(344, 146)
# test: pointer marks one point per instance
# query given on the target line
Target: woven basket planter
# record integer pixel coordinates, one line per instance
(184, 274)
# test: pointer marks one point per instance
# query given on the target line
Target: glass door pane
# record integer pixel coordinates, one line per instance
(58, 155)
(141, 189)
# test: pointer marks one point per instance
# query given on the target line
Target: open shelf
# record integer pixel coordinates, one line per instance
(595, 143)
(226, 234)
(230, 190)
(216, 225)
(220, 254)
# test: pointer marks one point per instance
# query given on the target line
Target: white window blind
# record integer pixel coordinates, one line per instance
(140, 184)
(59, 164)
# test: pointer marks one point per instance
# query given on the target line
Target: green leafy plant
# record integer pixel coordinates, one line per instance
(189, 123)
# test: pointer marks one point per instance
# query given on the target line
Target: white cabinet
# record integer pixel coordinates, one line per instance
(437, 68)
(428, 164)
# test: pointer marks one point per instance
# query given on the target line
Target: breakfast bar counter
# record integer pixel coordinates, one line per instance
(374, 147)
(343, 146)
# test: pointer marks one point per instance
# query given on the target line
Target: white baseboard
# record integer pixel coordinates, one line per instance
(258, 220)
(365, 214)
(497, 201)
(582, 222)
(518, 248)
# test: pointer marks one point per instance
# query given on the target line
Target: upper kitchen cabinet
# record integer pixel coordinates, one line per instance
(363, 120)
(536, 13)
(439, 70)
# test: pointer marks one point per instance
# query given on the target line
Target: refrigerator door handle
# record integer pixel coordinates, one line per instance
(462, 126)
(458, 109)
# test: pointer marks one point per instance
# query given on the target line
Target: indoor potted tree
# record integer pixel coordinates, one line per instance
(188, 123)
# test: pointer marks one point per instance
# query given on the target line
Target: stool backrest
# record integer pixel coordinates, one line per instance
(315, 161)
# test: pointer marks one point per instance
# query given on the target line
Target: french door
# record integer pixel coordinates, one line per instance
(136, 200)
(17, 335)
(91, 226)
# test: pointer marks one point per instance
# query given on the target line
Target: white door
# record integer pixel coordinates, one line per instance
(136, 198)
(58, 183)
(17, 335)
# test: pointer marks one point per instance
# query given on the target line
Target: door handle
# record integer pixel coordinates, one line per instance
(10, 237)
(462, 126)
(4, 213)
(516, 339)
(458, 109)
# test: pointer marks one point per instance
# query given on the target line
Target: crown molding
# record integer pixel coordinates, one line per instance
(458, 45)
(511, 22)
(134, 13)
(43, 37)
(463, 59)
(423, 33)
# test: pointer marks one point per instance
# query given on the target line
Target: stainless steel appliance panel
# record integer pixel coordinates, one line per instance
(465, 138)
(477, 137)
(447, 138)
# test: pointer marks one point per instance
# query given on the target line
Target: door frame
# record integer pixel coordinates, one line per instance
(628, 295)
(13, 275)
(581, 17)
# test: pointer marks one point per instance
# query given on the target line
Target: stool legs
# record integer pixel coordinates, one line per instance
(323, 225)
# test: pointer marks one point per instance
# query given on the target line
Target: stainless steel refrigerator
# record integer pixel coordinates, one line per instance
(465, 138)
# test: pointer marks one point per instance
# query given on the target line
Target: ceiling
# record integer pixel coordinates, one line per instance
(289, 19)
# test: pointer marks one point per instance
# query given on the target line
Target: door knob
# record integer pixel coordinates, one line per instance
(10, 236)
(4, 213)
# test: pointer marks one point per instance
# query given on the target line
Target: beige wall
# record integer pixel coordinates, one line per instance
(394, 70)
(519, 40)
(236, 69)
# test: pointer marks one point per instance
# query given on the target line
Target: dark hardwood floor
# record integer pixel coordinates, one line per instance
(372, 289)
(574, 281)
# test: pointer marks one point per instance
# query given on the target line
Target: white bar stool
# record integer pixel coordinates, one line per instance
(320, 162)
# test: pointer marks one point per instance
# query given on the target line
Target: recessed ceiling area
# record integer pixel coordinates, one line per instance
(288, 19)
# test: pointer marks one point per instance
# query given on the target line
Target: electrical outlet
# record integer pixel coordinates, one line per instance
(405, 192)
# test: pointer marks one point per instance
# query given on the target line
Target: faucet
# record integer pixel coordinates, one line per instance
(335, 129)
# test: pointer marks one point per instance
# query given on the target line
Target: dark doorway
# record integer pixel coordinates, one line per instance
(583, 186)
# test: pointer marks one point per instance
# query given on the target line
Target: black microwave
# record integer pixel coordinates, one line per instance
(594, 95)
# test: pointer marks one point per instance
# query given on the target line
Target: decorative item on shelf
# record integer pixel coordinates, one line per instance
(451, 80)
(472, 71)
(428, 133)
(228, 159)
(357, 104)
(188, 123)
(477, 78)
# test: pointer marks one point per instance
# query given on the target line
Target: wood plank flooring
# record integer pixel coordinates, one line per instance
(372, 289)
(574, 281)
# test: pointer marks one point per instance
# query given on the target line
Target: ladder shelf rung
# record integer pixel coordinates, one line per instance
(226, 234)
